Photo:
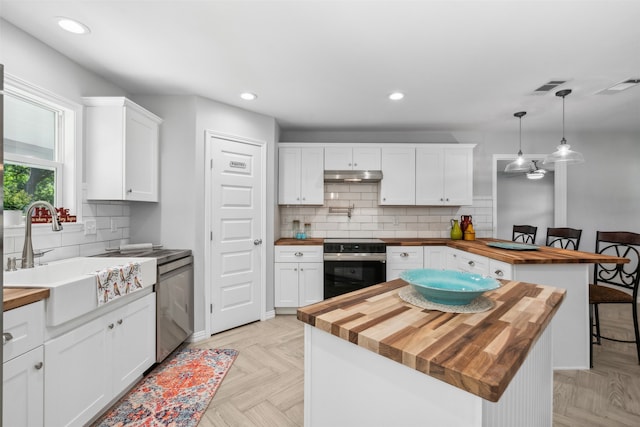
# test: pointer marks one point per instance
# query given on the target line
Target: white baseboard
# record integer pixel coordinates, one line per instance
(198, 336)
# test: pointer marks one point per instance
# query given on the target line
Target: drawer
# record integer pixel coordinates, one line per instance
(407, 256)
(471, 263)
(26, 328)
(500, 270)
(301, 253)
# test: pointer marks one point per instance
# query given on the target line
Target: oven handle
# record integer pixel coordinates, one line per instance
(174, 265)
(356, 257)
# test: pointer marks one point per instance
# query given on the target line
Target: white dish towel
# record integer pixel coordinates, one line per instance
(114, 282)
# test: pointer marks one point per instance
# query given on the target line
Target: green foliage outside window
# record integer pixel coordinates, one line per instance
(24, 184)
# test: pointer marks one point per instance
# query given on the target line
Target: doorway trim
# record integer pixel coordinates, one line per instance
(559, 190)
(208, 226)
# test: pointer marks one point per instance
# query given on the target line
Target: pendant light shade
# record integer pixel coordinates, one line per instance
(563, 153)
(519, 164)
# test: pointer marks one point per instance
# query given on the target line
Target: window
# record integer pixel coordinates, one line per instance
(40, 147)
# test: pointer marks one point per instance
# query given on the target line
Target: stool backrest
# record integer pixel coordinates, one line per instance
(564, 237)
(621, 244)
(524, 234)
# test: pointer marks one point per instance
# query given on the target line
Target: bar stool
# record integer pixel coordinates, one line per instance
(564, 237)
(524, 234)
(615, 283)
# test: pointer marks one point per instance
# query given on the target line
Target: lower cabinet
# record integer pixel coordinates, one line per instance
(89, 366)
(401, 258)
(23, 367)
(298, 283)
(435, 256)
(472, 263)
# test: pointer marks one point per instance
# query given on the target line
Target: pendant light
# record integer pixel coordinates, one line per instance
(519, 164)
(535, 172)
(564, 153)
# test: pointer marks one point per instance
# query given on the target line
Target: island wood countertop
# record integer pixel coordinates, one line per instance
(17, 297)
(479, 353)
(314, 241)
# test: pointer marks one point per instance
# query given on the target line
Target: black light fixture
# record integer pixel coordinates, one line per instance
(564, 154)
(519, 164)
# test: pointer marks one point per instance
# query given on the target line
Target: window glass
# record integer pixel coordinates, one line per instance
(30, 129)
(24, 184)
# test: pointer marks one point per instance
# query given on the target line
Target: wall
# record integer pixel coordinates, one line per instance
(178, 220)
(368, 220)
(33, 61)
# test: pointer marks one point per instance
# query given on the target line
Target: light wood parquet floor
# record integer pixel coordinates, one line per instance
(264, 387)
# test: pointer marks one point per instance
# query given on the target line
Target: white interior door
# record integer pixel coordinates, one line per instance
(236, 233)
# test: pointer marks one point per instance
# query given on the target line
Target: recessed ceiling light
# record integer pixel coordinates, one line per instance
(396, 96)
(72, 26)
(248, 96)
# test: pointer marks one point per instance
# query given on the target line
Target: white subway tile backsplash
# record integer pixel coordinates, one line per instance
(371, 220)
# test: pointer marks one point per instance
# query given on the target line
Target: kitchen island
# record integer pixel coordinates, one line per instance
(373, 359)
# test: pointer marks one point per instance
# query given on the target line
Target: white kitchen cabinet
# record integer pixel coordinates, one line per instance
(468, 262)
(398, 185)
(361, 158)
(299, 275)
(92, 364)
(301, 176)
(444, 175)
(435, 257)
(500, 269)
(122, 141)
(23, 368)
(401, 258)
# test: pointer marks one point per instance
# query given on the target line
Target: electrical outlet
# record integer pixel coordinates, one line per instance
(90, 227)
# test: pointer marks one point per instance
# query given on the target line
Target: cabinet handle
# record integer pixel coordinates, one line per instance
(384, 199)
(298, 198)
(301, 269)
(111, 325)
(404, 254)
(295, 269)
(472, 264)
(355, 164)
(119, 321)
(38, 365)
(447, 199)
(6, 337)
(130, 190)
(304, 198)
(441, 199)
(298, 254)
(257, 242)
(498, 273)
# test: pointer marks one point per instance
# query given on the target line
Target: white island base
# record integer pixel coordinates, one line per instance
(347, 385)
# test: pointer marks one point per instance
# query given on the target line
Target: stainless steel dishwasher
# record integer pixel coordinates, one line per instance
(174, 295)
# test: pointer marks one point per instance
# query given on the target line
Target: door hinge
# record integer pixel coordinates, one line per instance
(211, 308)
(211, 164)
(211, 236)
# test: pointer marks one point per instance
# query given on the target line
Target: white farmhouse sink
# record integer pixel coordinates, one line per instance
(72, 283)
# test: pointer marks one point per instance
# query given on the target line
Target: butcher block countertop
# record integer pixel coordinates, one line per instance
(17, 297)
(291, 242)
(479, 353)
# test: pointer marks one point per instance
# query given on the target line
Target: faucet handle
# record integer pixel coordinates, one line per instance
(37, 254)
(11, 264)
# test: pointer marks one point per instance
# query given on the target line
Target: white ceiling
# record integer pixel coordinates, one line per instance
(464, 65)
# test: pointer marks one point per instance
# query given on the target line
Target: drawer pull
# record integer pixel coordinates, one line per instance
(404, 254)
(298, 254)
(111, 325)
(119, 321)
(472, 264)
(499, 273)
(38, 365)
(6, 337)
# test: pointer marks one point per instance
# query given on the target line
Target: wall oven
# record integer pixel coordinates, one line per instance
(352, 264)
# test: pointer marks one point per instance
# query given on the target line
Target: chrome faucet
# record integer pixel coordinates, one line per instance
(27, 249)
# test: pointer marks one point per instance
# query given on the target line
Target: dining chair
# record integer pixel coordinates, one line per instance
(563, 237)
(524, 234)
(615, 283)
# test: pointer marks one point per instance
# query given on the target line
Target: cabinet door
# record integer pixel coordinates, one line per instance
(398, 183)
(286, 284)
(458, 176)
(338, 158)
(78, 368)
(312, 176)
(401, 258)
(311, 283)
(429, 176)
(133, 341)
(435, 257)
(141, 157)
(289, 176)
(23, 390)
(366, 159)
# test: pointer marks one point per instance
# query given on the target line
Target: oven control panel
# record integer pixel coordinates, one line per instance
(355, 248)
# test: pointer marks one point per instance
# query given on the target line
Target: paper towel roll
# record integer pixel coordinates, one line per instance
(136, 247)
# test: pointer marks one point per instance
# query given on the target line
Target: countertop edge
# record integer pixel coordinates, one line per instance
(17, 297)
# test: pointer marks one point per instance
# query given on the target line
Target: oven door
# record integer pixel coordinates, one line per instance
(343, 276)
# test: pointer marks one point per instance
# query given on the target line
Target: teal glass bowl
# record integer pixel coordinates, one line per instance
(448, 287)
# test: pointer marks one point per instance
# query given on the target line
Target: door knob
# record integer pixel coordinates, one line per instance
(257, 242)
(6, 337)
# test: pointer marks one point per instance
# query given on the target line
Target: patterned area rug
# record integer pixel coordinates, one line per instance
(176, 393)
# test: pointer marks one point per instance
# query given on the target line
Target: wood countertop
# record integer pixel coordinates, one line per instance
(479, 353)
(291, 242)
(17, 297)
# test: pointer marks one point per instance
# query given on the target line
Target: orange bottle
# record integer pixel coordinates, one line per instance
(469, 233)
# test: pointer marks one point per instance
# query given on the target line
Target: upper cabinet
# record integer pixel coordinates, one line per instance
(398, 185)
(301, 176)
(444, 175)
(361, 158)
(122, 141)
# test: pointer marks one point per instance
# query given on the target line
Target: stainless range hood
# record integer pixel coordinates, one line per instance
(352, 176)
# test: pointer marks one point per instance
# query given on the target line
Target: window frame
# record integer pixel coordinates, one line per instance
(68, 161)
